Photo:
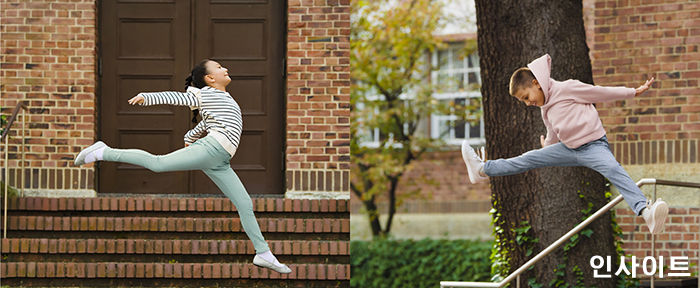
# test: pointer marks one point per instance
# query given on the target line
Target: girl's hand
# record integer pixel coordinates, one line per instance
(542, 140)
(137, 100)
(644, 87)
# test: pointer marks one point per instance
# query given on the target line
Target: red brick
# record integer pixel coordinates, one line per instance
(112, 270)
(5, 245)
(206, 271)
(91, 270)
(288, 205)
(101, 270)
(167, 271)
(344, 248)
(218, 204)
(40, 270)
(140, 270)
(31, 269)
(187, 270)
(236, 271)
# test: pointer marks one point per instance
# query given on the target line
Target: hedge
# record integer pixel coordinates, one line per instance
(424, 263)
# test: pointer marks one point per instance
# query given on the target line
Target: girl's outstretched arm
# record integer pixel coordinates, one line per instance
(168, 97)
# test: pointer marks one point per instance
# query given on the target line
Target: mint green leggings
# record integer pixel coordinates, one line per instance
(207, 155)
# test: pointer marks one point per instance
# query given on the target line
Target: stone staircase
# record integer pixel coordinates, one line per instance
(171, 242)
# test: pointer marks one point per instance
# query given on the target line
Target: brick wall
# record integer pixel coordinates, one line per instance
(48, 60)
(634, 40)
(631, 41)
(318, 95)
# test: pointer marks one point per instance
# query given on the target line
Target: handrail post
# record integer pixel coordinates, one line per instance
(653, 242)
(24, 124)
(4, 218)
(6, 135)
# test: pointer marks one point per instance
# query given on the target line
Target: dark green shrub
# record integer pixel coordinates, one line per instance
(424, 263)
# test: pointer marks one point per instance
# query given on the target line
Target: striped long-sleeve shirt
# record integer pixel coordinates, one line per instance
(221, 115)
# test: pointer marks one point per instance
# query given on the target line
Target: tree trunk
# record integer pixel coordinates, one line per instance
(511, 33)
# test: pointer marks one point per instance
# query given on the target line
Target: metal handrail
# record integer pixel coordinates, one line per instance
(12, 118)
(560, 241)
(5, 135)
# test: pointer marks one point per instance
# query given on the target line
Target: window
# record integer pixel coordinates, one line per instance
(458, 80)
(371, 137)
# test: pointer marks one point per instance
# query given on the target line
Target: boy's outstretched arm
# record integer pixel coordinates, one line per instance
(588, 94)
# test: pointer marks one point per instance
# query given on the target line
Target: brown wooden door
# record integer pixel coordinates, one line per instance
(151, 47)
(248, 39)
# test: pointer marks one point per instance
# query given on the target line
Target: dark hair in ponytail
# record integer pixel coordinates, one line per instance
(196, 79)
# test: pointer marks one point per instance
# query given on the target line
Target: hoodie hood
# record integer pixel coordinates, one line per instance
(541, 68)
(198, 92)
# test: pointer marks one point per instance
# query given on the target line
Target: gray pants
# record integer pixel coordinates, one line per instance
(595, 155)
(207, 155)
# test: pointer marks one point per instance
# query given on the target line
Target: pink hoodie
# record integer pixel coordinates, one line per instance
(568, 110)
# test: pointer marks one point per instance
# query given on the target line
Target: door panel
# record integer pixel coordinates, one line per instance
(143, 49)
(248, 40)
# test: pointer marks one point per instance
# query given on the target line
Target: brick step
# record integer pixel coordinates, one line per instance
(92, 224)
(147, 250)
(176, 235)
(144, 204)
(126, 270)
(171, 242)
(234, 214)
(170, 282)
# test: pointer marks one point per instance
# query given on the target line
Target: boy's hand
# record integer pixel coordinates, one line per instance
(644, 87)
(542, 140)
(137, 100)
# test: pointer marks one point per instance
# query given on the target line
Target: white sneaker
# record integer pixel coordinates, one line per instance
(473, 162)
(80, 159)
(655, 215)
(281, 268)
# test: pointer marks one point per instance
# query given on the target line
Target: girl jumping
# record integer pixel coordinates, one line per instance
(223, 123)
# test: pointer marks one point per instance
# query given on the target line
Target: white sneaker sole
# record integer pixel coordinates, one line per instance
(80, 159)
(260, 262)
(473, 172)
(660, 213)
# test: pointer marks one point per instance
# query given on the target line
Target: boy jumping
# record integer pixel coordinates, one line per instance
(575, 135)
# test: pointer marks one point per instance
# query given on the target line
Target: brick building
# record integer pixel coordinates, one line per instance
(75, 63)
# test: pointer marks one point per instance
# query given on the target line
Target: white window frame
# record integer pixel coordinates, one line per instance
(374, 134)
(436, 120)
